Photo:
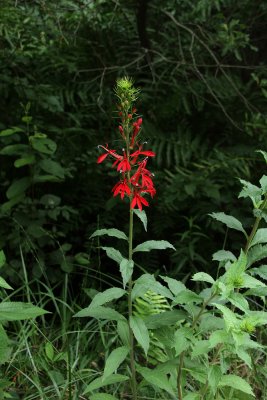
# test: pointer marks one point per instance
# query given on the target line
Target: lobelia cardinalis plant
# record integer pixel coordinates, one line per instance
(197, 346)
(134, 185)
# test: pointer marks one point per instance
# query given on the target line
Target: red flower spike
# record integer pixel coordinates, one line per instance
(139, 201)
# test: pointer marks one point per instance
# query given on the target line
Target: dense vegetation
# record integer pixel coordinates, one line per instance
(201, 69)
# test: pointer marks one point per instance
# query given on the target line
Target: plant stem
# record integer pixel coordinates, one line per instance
(255, 226)
(182, 355)
(130, 311)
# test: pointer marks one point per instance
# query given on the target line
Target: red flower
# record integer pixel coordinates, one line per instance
(113, 153)
(121, 188)
(136, 129)
(123, 165)
(139, 201)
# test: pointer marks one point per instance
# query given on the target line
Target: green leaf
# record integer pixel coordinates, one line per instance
(251, 283)
(175, 286)
(2, 258)
(49, 351)
(5, 350)
(99, 382)
(100, 313)
(43, 145)
(142, 216)
(4, 284)
(153, 245)
(229, 317)
(10, 131)
(263, 183)
(123, 332)
(223, 255)
(27, 160)
(219, 336)
(192, 396)
(9, 204)
(260, 237)
(236, 382)
(126, 270)
(166, 318)
(186, 297)
(229, 221)
(214, 377)
(239, 301)
(16, 311)
(14, 149)
(110, 232)
(203, 277)
(140, 332)
(201, 347)
(18, 187)
(102, 396)
(113, 254)
(256, 253)
(263, 153)
(148, 282)
(157, 378)
(180, 343)
(107, 296)
(114, 360)
(52, 167)
(251, 191)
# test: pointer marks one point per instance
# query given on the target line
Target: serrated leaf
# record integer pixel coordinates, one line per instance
(263, 183)
(229, 221)
(250, 282)
(239, 301)
(256, 253)
(16, 311)
(251, 191)
(229, 317)
(113, 254)
(180, 343)
(154, 245)
(260, 237)
(107, 296)
(110, 232)
(236, 382)
(187, 297)
(166, 318)
(123, 332)
(100, 313)
(99, 382)
(126, 270)
(49, 351)
(219, 336)
(202, 277)
(114, 360)
(5, 349)
(148, 282)
(201, 347)
(4, 284)
(142, 216)
(175, 286)
(157, 378)
(214, 377)
(140, 332)
(223, 255)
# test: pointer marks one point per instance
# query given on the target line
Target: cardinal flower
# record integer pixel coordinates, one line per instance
(121, 188)
(138, 201)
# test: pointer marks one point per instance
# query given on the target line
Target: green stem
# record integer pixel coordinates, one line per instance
(182, 355)
(255, 226)
(130, 311)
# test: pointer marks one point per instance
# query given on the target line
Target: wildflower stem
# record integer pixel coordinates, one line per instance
(130, 311)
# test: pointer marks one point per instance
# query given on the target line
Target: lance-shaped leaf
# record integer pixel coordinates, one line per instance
(142, 216)
(100, 312)
(154, 245)
(140, 332)
(110, 232)
(16, 311)
(229, 221)
(102, 396)
(158, 379)
(236, 382)
(126, 270)
(107, 296)
(99, 382)
(113, 254)
(260, 237)
(114, 360)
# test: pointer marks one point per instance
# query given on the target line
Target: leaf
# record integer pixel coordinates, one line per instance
(228, 315)
(257, 253)
(114, 360)
(251, 191)
(203, 277)
(27, 160)
(4, 284)
(192, 396)
(154, 245)
(180, 343)
(229, 221)
(5, 350)
(251, 283)
(187, 296)
(113, 254)
(17, 187)
(43, 145)
(52, 167)
(110, 232)
(157, 378)
(142, 215)
(260, 237)
(236, 382)
(107, 296)
(16, 311)
(214, 377)
(102, 396)
(263, 183)
(10, 131)
(100, 313)
(123, 332)
(239, 301)
(99, 382)
(126, 270)
(223, 255)
(49, 351)
(200, 347)
(166, 318)
(140, 332)
(14, 149)
(148, 282)
(2, 258)
(175, 286)
(219, 336)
